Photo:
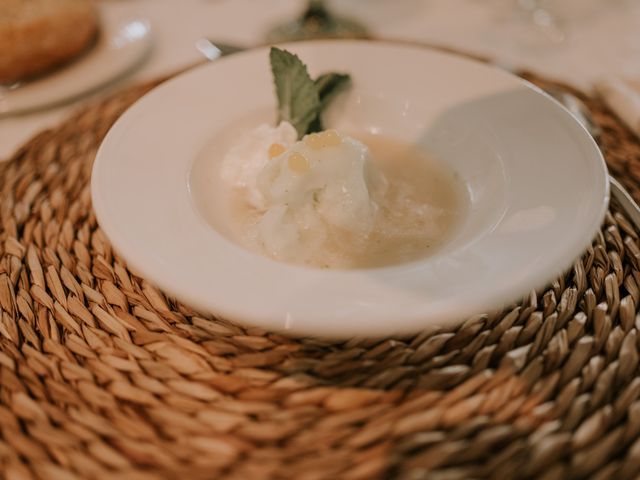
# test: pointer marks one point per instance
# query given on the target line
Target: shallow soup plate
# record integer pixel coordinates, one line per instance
(535, 182)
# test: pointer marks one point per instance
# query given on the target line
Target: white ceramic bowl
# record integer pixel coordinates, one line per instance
(537, 186)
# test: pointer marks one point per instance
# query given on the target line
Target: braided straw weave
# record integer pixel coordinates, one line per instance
(103, 376)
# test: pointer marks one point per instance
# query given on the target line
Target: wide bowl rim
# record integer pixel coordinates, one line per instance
(365, 318)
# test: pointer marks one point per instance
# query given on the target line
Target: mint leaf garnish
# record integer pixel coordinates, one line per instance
(328, 85)
(301, 99)
(298, 97)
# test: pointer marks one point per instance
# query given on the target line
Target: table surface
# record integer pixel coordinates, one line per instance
(600, 39)
(102, 376)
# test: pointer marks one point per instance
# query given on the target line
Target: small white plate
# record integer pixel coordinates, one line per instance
(120, 47)
(536, 181)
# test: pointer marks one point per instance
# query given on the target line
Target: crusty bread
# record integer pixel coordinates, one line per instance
(39, 35)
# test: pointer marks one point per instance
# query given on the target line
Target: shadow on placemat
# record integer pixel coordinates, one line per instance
(101, 375)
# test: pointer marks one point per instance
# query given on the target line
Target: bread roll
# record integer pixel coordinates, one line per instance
(40, 35)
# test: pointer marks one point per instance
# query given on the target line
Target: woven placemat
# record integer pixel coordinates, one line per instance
(103, 376)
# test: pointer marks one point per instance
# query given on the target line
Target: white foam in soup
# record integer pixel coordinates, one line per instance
(417, 212)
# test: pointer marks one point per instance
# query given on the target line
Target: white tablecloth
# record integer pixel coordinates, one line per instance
(601, 37)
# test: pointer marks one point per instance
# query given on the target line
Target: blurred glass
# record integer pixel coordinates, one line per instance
(317, 22)
(542, 19)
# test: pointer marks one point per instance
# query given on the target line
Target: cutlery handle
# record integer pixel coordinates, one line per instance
(627, 202)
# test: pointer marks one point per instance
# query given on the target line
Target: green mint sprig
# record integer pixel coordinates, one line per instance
(301, 99)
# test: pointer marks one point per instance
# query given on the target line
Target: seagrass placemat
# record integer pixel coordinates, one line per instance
(103, 376)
